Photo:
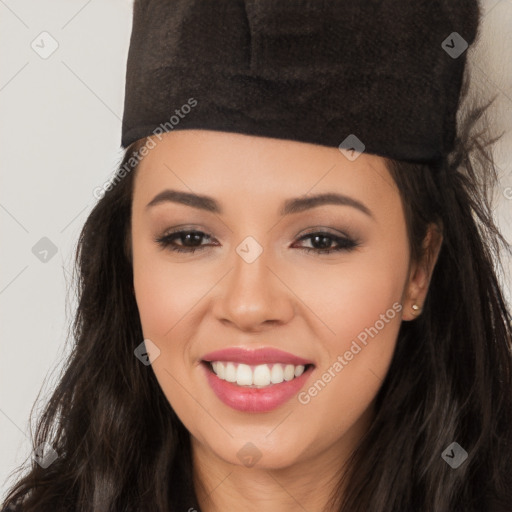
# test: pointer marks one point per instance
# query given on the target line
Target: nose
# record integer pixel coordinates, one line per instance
(253, 296)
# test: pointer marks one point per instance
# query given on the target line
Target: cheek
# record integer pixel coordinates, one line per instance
(165, 292)
(159, 299)
(360, 310)
(166, 295)
(355, 295)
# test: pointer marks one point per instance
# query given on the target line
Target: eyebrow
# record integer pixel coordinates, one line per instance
(290, 206)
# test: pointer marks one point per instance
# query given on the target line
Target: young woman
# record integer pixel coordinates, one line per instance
(270, 324)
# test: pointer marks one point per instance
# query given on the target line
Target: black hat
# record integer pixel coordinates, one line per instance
(379, 76)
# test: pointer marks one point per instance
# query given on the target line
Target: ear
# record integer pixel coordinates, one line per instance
(421, 273)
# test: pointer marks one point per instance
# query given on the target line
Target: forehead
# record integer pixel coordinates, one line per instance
(231, 165)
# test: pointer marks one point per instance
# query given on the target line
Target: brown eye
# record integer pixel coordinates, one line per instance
(322, 243)
(190, 241)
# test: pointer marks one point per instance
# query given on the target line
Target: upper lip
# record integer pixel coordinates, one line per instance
(255, 356)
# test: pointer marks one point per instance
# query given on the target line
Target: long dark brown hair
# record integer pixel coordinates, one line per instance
(120, 445)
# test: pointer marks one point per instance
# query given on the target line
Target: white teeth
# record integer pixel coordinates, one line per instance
(289, 372)
(256, 376)
(230, 374)
(299, 370)
(244, 375)
(261, 375)
(277, 374)
(221, 370)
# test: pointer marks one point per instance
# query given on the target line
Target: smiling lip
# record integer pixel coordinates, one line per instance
(247, 399)
(255, 356)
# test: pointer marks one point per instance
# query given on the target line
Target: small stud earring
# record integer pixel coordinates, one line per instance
(416, 308)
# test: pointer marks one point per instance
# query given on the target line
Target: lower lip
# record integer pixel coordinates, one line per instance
(247, 399)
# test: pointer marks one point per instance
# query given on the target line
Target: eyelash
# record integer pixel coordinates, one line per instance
(346, 244)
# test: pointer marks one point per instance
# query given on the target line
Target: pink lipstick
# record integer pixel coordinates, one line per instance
(255, 380)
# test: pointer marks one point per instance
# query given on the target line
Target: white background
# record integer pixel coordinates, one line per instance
(60, 136)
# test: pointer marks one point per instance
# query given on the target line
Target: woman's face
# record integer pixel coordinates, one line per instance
(256, 281)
